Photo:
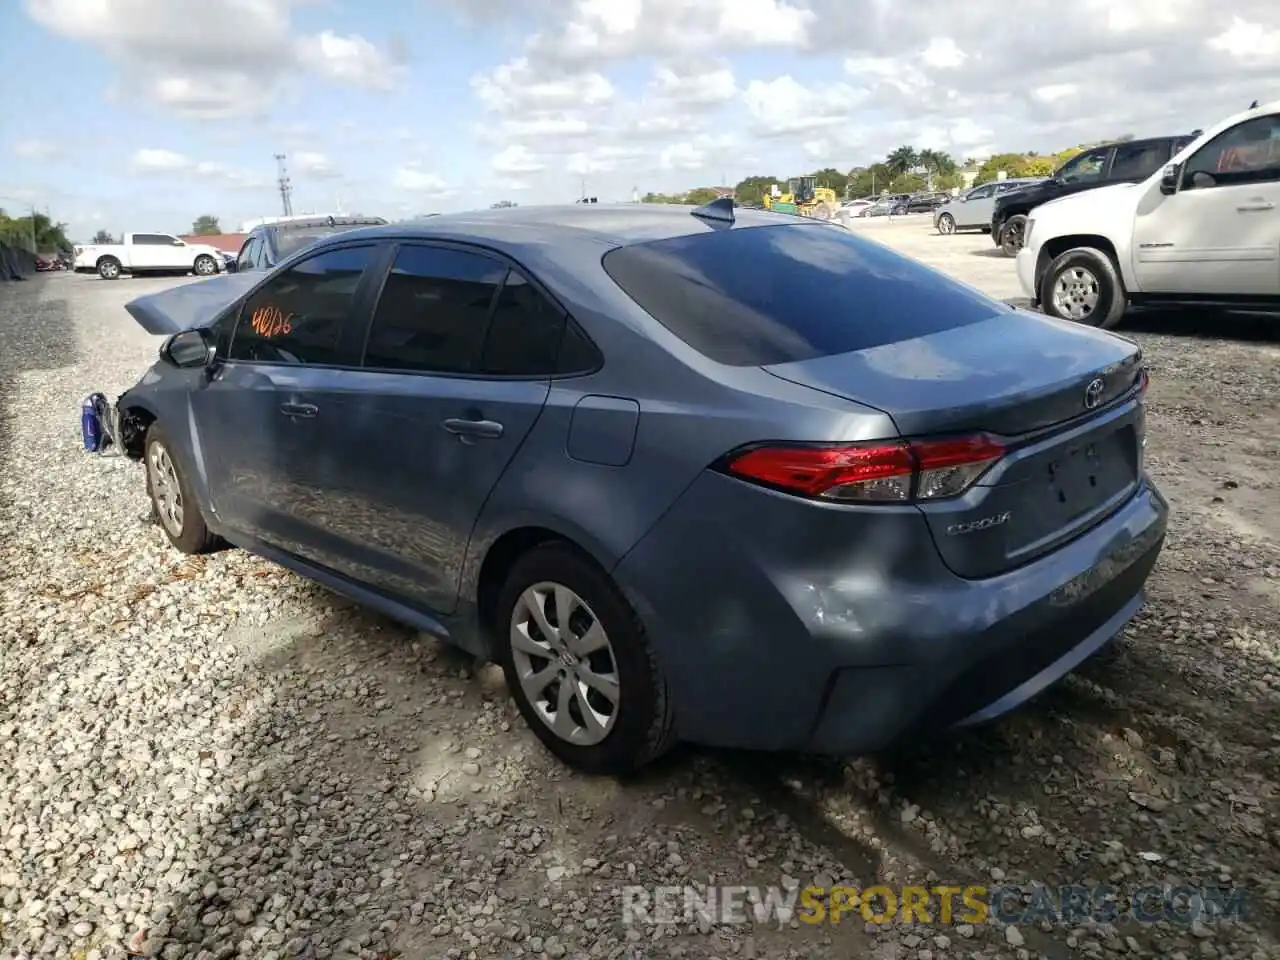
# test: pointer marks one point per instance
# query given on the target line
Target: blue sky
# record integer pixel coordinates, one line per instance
(144, 114)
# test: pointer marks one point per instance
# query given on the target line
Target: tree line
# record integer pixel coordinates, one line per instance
(36, 232)
(904, 170)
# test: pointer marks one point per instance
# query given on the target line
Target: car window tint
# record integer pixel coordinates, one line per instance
(524, 332)
(1247, 153)
(775, 294)
(151, 240)
(298, 316)
(433, 311)
(1087, 166)
(248, 255)
(1137, 161)
(981, 193)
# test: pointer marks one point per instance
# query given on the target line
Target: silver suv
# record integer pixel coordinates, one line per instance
(972, 210)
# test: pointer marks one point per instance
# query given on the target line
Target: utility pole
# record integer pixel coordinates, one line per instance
(286, 189)
(584, 189)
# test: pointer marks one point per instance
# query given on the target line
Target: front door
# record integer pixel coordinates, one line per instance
(979, 204)
(263, 410)
(456, 371)
(1219, 233)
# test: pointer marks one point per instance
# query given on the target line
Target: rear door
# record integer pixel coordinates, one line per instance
(457, 366)
(262, 417)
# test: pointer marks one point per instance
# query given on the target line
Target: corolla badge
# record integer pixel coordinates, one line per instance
(973, 526)
(1093, 393)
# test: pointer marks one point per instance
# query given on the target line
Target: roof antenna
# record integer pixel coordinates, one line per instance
(1254, 105)
(720, 209)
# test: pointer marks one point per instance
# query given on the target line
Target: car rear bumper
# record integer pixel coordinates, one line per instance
(780, 634)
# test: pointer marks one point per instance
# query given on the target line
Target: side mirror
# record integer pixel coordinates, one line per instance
(1169, 179)
(188, 349)
(179, 243)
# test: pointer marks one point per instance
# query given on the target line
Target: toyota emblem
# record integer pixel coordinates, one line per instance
(1093, 393)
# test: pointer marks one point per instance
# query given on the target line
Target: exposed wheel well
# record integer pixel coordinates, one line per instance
(134, 422)
(1056, 247)
(502, 556)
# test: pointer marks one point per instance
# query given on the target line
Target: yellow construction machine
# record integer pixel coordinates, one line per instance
(804, 197)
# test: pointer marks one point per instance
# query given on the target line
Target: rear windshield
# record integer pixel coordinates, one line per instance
(762, 295)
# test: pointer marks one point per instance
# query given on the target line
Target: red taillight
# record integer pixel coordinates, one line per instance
(895, 472)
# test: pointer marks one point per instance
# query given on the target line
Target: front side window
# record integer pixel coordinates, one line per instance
(981, 193)
(299, 316)
(434, 311)
(1088, 166)
(248, 254)
(1247, 153)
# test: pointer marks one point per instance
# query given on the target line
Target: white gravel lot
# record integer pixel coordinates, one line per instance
(213, 758)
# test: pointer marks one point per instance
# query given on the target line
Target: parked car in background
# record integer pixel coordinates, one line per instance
(884, 207)
(270, 243)
(149, 253)
(1203, 230)
(1130, 161)
(972, 210)
(925, 202)
(604, 446)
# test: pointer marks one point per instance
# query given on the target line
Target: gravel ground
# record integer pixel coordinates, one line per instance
(213, 758)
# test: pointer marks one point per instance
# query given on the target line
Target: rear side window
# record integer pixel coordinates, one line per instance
(1137, 161)
(434, 310)
(524, 332)
(777, 294)
(298, 316)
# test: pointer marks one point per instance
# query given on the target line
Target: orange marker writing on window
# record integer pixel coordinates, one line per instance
(271, 322)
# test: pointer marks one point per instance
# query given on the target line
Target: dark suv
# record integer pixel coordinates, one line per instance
(1131, 161)
(270, 243)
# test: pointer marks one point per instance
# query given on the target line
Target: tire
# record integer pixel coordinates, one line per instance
(1011, 235)
(109, 268)
(1075, 278)
(205, 266)
(946, 224)
(639, 726)
(184, 527)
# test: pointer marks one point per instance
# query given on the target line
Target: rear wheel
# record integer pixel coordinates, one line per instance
(109, 268)
(579, 664)
(946, 224)
(1012, 234)
(1083, 285)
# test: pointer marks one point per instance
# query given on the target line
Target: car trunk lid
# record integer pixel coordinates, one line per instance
(1062, 398)
(191, 305)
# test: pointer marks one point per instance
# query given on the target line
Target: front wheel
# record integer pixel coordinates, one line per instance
(1083, 285)
(172, 500)
(205, 266)
(1012, 235)
(579, 664)
(946, 224)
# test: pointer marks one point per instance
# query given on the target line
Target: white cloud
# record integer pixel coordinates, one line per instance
(228, 59)
(413, 179)
(682, 156)
(150, 160)
(42, 150)
(705, 87)
(314, 165)
(517, 159)
(784, 106)
(154, 162)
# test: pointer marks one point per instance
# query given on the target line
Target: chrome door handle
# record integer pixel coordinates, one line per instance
(1256, 205)
(484, 429)
(299, 409)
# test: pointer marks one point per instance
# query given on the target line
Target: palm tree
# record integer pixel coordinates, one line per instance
(937, 162)
(902, 160)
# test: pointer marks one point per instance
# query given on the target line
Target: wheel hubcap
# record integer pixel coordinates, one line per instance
(1075, 295)
(203, 267)
(1013, 237)
(165, 489)
(946, 224)
(109, 269)
(565, 663)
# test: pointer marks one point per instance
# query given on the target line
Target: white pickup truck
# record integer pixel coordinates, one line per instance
(1203, 231)
(148, 253)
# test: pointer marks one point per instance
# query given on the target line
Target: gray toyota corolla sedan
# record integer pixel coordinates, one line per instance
(734, 477)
